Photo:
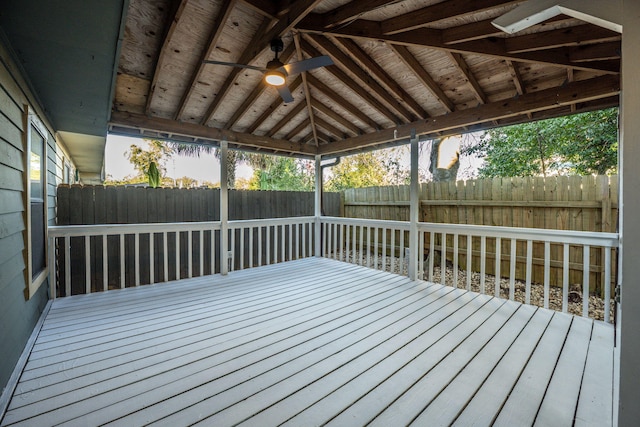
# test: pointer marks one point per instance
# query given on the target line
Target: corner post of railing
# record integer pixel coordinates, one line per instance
(224, 208)
(52, 267)
(413, 209)
(318, 208)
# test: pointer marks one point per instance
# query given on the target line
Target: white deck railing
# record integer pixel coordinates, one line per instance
(93, 258)
(384, 245)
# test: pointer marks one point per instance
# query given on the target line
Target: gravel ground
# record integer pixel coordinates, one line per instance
(596, 304)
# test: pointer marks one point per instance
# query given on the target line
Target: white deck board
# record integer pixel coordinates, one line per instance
(311, 342)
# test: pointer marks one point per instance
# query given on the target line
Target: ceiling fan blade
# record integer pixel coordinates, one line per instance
(308, 64)
(232, 64)
(285, 93)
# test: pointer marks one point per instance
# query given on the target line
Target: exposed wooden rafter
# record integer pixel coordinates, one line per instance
(274, 105)
(349, 125)
(463, 67)
(307, 91)
(287, 118)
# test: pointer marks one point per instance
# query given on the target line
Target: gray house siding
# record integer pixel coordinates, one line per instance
(18, 315)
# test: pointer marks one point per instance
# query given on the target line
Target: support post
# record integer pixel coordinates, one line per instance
(627, 370)
(224, 209)
(318, 211)
(413, 210)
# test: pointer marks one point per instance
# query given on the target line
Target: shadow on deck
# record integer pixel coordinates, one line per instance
(310, 342)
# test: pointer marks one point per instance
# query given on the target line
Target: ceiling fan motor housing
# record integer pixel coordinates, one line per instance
(277, 45)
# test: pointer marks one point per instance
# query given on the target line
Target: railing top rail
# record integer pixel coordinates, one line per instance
(542, 234)
(115, 229)
(381, 223)
(244, 223)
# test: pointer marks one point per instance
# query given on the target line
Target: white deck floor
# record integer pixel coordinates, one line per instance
(311, 342)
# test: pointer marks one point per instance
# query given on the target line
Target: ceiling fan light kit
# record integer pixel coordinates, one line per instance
(274, 78)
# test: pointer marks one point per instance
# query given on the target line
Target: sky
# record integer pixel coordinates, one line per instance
(203, 168)
(207, 167)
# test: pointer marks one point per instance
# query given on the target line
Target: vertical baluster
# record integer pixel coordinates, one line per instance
(512, 271)
(304, 240)
(334, 228)
(190, 253)
(178, 255)
(325, 242)
(586, 267)
(201, 257)
(342, 242)
(443, 260)
(122, 281)
(311, 237)
(353, 244)
(67, 265)
(607, 284)
(232, 249)
(455, 260)
(565, 278)
(421, 255)
(251, 230)
(361, 242)
(469, 260)
(87, 264)
(401, 257)
(347, 234)
(290, 241)
(432, 253)
(547, 272)
(165, 254)
(242, 248)
(483, 261)
(51, 248)
(282, 243)
(152, 261)
(529, 272)
(369, 247)
(392, 254)
(375, 245)
(136, 265)
(105, 264)
(297, 231)
(268, 228)
(498, 262)
(384, 249)
(213, 251)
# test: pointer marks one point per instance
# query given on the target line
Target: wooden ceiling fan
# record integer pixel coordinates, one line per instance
(275, 72)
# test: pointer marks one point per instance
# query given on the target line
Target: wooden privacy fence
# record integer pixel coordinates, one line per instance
(579, 203)
(177, 254)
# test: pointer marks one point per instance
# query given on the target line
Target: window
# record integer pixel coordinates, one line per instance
(36, 194)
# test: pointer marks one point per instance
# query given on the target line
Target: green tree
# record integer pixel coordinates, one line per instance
(579, 144)
(283, 173)
(144, 160)
(357, 171)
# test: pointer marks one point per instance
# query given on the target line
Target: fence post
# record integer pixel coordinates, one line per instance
(317, 211)
(413, 210)
(224, 209)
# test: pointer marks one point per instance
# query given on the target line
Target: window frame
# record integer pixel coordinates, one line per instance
(32, 121)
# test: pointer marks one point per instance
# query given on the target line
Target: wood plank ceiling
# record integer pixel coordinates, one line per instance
(436, 67)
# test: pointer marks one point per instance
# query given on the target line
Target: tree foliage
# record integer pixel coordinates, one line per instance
(357, 171)
(142, 160)
(579, 144)
(283, 174)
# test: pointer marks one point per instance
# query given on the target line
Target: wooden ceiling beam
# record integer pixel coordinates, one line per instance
(256, 92)
(168, 34)
(273, 106)
(140, 123)
(287, 118)
(373, 68)
(214, 35)
(563, 37)
(583, 91)
(351, 10)
(438, 12)
(352, 129)
(596, 52)
(267, 31)
(516, 77)
(463, 67)
(307, 92)
(371, 85)
(295, 131)
(266, 8)
(410, 61)
(228, 83)
(339, 134)
(493, 47)
(338, 99)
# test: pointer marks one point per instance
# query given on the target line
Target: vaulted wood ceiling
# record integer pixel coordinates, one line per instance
(436, 67)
